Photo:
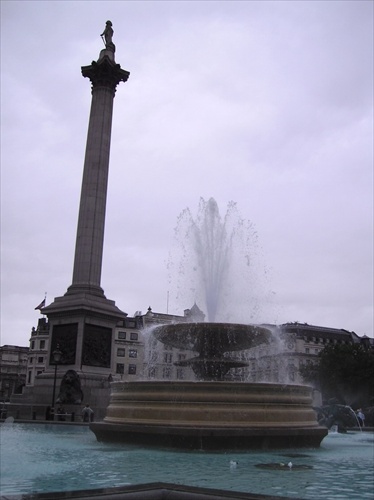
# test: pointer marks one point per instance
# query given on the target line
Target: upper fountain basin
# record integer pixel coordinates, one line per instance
(212, 338)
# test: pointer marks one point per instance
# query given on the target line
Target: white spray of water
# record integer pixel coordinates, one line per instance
(216, 262)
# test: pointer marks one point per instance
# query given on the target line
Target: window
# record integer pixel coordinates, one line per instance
(39, 372)
(132, 369)
(152, 356)
(31, 360)
(33, 344)
(120, 368)
(168, 357)
(42, 344)
(316, 351)
(121, 353)
(152, 372)
(40, 359)
(180, 374)
(133, 336)
(133, 353)
(166, 372)
(122, 335)
(29, 377)
(307, 350)
(181, 357)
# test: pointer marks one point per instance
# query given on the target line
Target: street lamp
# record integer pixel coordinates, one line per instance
(57, 355)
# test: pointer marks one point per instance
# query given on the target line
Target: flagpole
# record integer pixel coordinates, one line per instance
(42, 303)
(45, 302)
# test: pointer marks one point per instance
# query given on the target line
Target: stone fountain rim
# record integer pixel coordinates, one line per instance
(221, 383)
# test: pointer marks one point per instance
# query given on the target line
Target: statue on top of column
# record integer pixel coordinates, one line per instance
(107, 34)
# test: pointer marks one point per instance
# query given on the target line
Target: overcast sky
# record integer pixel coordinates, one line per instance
(267, 104)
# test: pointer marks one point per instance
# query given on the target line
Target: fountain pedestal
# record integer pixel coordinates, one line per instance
(211, 415)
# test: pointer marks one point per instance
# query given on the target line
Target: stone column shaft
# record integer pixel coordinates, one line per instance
(91, 221)
(105, 75)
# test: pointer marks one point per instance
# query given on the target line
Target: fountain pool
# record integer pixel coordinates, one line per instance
(37, 458)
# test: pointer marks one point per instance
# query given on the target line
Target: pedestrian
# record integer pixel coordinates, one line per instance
(48, 413)
(87, 414)
(361, 417)
(61, 414)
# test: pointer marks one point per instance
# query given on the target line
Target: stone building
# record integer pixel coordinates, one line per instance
(294, 345)
(128, 350)
(13, 362)
(136, 355)
(38, 352)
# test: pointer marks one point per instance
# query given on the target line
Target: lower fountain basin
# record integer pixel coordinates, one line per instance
(211, 415)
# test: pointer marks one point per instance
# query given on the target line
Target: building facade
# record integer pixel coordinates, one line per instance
(128, 349)
(293, 346)
(38, 351)
(137, 355)
(13, 363)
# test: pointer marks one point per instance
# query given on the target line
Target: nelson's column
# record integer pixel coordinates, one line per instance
(82, 321)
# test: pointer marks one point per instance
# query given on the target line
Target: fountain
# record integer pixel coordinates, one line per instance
(211, 413)
(211, 341)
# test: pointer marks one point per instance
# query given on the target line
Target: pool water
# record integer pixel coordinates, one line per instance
(37, 458)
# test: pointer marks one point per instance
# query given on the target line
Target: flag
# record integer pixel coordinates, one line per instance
(41, 305)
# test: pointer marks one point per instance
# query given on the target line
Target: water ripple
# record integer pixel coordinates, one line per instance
(37, 458)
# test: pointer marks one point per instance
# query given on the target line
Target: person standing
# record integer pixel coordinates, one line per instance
(87, 414)
(361, 417)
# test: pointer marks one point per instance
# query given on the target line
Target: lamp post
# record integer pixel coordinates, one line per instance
(57, 355)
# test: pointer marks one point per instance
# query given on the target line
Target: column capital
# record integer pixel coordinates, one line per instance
(105, 73)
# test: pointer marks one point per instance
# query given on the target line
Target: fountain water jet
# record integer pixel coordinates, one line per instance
(216, 262)
(211, 414)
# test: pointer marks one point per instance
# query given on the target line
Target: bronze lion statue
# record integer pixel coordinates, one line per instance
(70, 389)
